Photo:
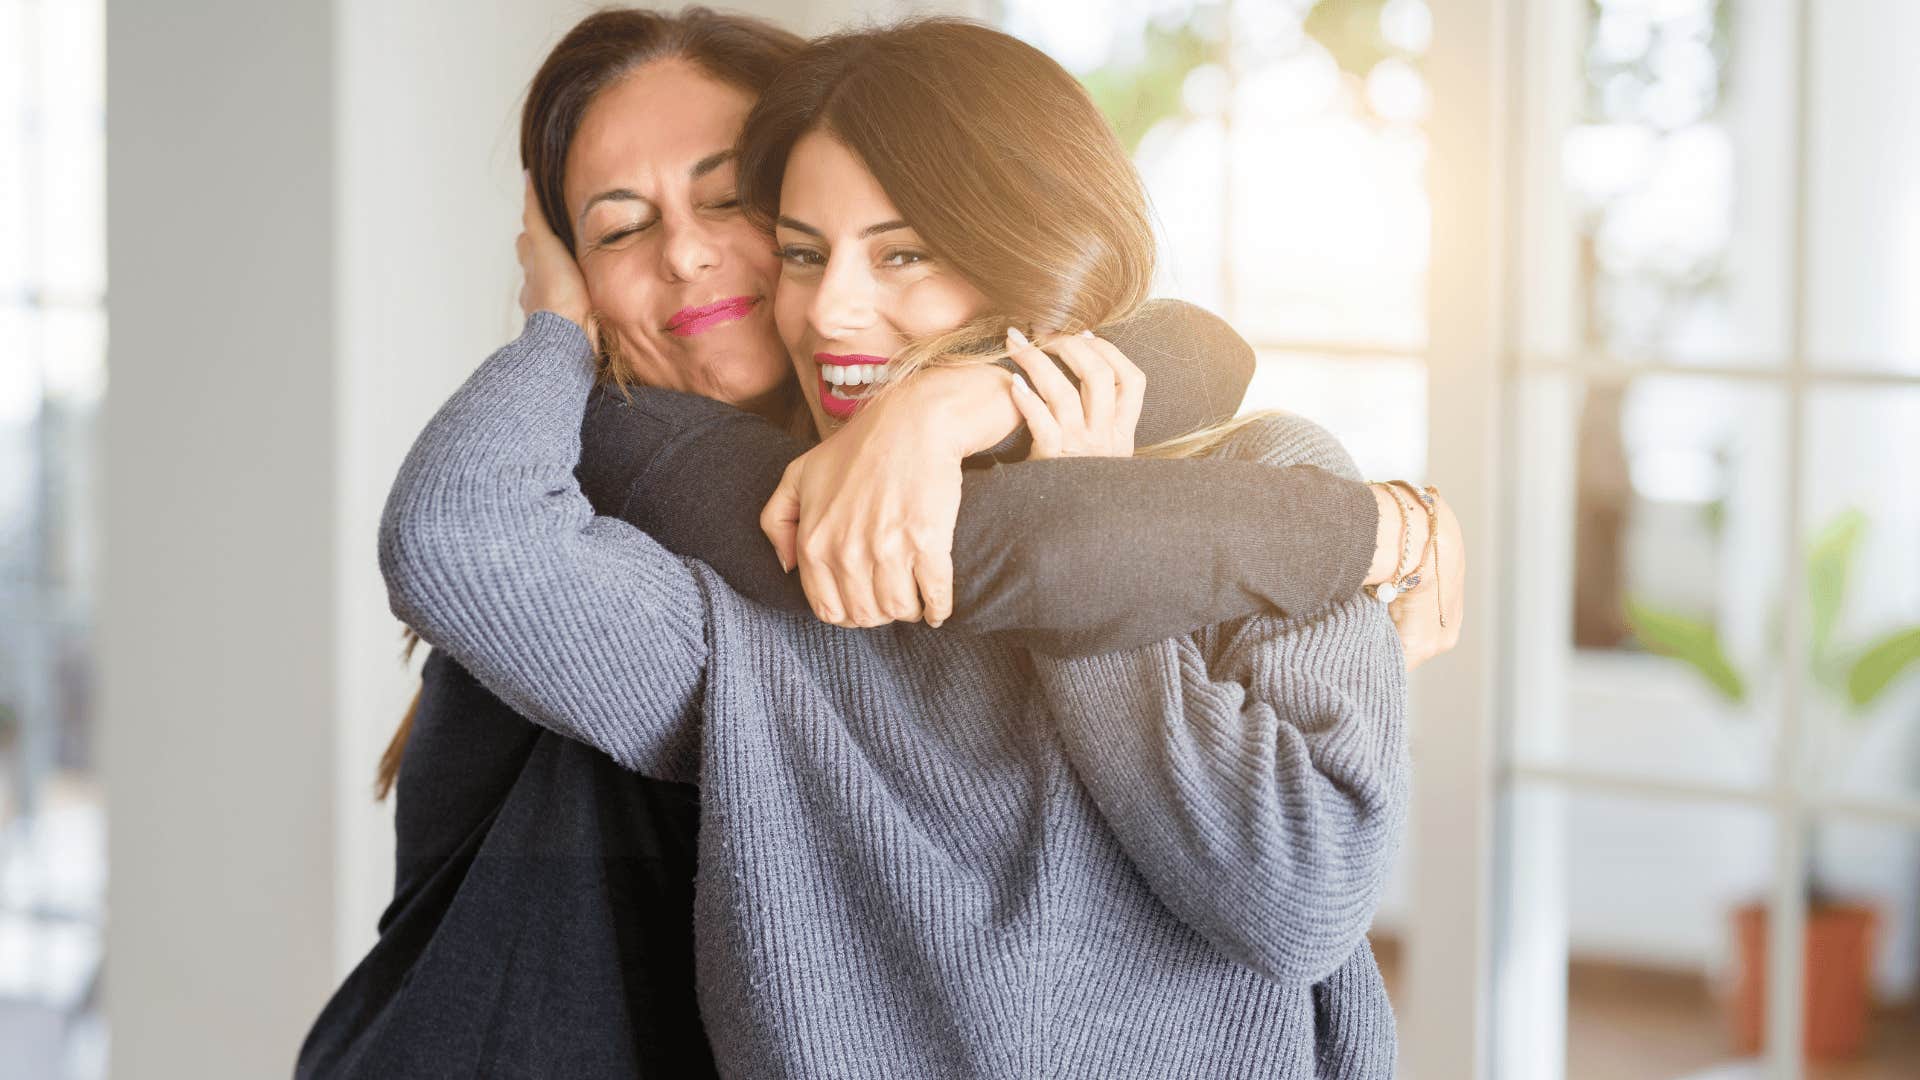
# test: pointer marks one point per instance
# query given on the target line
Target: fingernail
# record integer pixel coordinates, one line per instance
(1086, 333)
(1018, 338)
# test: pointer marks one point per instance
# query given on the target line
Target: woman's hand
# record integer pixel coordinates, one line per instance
(1099, 419)
(868, 515)
(549, 278)
(1417, 613)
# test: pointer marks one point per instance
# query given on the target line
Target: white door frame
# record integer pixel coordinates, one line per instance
(1445, 1027)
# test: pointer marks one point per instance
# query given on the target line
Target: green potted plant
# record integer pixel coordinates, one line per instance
(1853, 680)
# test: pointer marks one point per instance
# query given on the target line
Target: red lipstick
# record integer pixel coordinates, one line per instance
(690, 321)
(833, 401)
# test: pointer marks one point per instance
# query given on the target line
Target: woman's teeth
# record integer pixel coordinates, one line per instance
(853, 374)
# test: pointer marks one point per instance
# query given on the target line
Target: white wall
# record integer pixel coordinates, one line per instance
(217, 645)
(311, 207)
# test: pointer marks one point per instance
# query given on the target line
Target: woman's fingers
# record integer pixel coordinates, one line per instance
(1099, 389)
(854, 567)
(780, 518)
(817, 577)
(1061, 398)
(933, 572)
(895, 591)
(1132, 392)
(859, 608)
(1453, 571)
(550, 280)
(1418, 613)
(533, 219)
(1100, 416)
(1040, 422)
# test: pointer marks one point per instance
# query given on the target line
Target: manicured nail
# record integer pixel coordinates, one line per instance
(1019, 339)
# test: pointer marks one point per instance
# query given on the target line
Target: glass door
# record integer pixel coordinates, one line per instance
(1708, 785)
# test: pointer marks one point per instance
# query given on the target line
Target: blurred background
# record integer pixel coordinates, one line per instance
(1634, 281)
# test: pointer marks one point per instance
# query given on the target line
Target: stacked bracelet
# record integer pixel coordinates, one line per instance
(1401, 580)
(1428, 496)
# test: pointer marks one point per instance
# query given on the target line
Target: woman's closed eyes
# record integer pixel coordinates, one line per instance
(726, 205)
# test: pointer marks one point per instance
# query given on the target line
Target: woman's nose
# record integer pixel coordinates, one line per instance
(690, 252)
(843, 305)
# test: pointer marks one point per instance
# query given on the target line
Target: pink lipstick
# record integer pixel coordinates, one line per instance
(690, 321)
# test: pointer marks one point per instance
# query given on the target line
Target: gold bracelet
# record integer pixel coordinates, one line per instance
(1427, 497)
(1401, 580)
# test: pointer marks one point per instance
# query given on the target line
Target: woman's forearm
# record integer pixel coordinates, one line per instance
(1076, 556)
(1085, 555)
(491, 552)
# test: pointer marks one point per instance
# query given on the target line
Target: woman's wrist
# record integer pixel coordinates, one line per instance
(968, 408)
(1398, 534)
(564, 311)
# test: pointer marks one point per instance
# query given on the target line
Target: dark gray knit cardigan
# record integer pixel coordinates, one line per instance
(926, 854)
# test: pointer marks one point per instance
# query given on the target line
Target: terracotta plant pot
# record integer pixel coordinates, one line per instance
(1838, 987)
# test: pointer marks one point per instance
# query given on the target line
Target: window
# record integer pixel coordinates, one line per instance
(1283, 154)
(1711, 799)
(52, 378)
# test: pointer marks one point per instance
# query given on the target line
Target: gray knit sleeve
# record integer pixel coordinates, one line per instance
(1256, 771)
(583, 624)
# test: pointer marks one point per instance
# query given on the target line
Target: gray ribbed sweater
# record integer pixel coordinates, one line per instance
(926, 854)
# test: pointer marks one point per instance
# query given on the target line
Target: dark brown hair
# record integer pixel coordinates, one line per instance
(988, 147)
(598, 52)
(610, 44)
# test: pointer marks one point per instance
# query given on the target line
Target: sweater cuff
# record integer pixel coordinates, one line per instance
(547, 330)
(1351, 504)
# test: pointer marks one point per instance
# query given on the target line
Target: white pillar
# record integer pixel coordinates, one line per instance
(311, 207)
(220, 597)
(1449, 943)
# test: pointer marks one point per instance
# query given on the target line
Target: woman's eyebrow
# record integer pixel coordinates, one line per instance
(800, 226)
(711, 162)
(700, 168)
(872, 230)
(615, 195)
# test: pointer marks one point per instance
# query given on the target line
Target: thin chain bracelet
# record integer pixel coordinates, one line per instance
(1427, 497)
(1433, 536)
(1402, 580)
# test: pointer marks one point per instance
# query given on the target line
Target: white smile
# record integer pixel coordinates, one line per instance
(853, 374)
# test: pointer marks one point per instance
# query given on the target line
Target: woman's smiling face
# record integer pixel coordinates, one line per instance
(680, 281)
(856, 282)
